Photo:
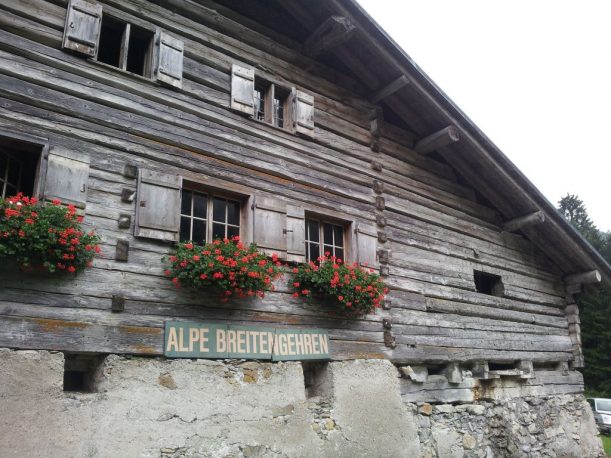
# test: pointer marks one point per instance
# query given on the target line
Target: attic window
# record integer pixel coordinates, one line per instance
(126, 46)
(490, 284)
(271, 103)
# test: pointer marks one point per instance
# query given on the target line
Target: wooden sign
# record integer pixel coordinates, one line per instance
(188, 339)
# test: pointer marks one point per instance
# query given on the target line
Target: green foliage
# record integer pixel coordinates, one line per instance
(606, 444)
(48, 236)
(351, 287)
(223, 265)
(595, 305)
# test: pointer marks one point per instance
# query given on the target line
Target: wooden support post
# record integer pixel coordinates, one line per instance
(389, 89)
(516, 224)
(583, 278)
(433, 142)
(332, 33)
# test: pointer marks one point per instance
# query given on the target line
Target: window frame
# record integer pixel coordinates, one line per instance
(269, 91)
(322, 220)
(43, 156)
(211, 194)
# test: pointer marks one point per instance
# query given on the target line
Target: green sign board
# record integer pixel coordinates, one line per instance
(188, 339)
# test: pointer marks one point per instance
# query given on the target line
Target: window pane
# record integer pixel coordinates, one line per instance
(328, 249)
(339, 253)
(185, 204)
(233, 213)
(14, 170)
(218, 210)
(10, 191)
(327, 230)
(199, 231)
(185, 229)
(312, 231)
(339, 235)
(200, 205)
(218, 231)
(314, 251)
(3, 160)
(260, 103)
(278, 112)
(232, 231)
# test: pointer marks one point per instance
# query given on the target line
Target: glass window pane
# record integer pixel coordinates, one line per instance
(10, 191)
(199, 231)
(328, 249)
(14, 170)
(232, 231)
(185, 203)
(312, 228)
(3, 160)
(339, 253)
(233, 213)
(218, 231)
(185, 229)
(314, 251)
(218, 210)
(200, 205)
(327, 230)
(339, 235)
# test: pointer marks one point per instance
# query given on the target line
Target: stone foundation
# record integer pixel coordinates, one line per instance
(143, 407)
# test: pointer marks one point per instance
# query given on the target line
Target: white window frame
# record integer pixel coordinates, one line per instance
(321, 243)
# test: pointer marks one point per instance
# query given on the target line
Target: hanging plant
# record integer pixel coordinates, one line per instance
(227, 266)
(353, 289)
(47, 236)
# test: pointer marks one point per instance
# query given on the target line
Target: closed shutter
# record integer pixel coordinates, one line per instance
(67, 177)
(304, 114)
(295, 234)
(269, 225)
(243, 89)
(82, 29)
(169, 59)
(158, 206)
(367, 245)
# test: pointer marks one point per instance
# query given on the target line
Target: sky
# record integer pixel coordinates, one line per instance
(535, 76)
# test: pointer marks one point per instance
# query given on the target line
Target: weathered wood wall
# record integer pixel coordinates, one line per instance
(437, 233)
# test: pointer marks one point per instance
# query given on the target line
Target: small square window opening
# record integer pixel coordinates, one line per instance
(19, 163)
(205, 217)
(271, 103)
(324, 237)
(81, 372)
(487, 283)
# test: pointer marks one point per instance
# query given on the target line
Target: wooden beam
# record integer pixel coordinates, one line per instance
(389, 89)
(583, 278)
(444, 137)
(332, 33)
(523, 221)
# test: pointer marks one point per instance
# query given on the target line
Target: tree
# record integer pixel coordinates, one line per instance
(595, 305)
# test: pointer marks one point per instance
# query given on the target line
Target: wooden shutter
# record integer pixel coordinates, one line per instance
(367, 245)
(304, 114)
(295, 234)
(243, 89)
(158, 205)
(67, 177)
(169, 59)
(269, 225)
(82, 28)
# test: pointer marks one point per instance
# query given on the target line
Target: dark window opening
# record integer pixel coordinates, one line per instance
(490, 284)
(125, 46)
(18, 167)
(323, 237)
(111, 39)
(81, 372)
(501, 366)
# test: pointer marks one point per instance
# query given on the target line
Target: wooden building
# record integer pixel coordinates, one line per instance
(283, 123)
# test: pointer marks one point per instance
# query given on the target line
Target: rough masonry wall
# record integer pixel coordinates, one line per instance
(145, 407)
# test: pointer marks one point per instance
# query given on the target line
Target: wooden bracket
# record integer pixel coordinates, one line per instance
(332, 33)
(389, 89)
(384, 256)
(583, 278)
(130, 171)
(125, 221)
(122, 250)
(433, 142)
(378, 186)
(380, 203)
(453, 373)
(516, 224)
(377, 166)
(382, 237)
(128, 195)
(118, 303)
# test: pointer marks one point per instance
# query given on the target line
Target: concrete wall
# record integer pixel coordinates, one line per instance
(198, 408)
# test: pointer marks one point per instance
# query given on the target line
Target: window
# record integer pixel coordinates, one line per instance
(323, 237)
(271, 103)
(490, 284)
(19, 164)
(81, 372)
(205, 217)
(126, 46)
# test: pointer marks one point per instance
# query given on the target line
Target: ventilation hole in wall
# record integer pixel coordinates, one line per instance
(81, 372)
(436, 370)
(547, 365)
(317, 379)
(501, 366)
(490, 284)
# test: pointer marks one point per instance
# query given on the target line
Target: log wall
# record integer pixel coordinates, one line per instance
(431, 225)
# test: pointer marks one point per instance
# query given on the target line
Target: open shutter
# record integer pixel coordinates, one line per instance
(295, 234)
(243, 89)
(169, 60)
(82, 28)
(367, 245)
(67, 177)
(158, 206)
(270, 225)
(304, 114)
